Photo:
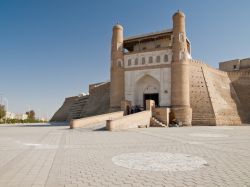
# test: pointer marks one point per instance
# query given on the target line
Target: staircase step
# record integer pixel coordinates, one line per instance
(157, 123)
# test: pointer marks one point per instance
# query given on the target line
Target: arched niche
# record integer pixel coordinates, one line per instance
(146, 86)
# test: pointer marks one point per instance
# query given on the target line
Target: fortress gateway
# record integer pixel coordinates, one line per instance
(158, 66)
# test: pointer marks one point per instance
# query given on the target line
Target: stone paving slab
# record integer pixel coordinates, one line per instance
(51, 155)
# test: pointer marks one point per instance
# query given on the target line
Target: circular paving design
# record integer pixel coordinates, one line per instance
(206, 135)
(159, 161)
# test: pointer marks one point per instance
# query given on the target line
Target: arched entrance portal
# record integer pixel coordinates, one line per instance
(146, 88)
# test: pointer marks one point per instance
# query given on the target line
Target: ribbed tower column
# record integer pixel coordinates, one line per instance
(117, 71)
(180, 99)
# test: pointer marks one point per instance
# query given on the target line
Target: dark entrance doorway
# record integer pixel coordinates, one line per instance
(153, 96)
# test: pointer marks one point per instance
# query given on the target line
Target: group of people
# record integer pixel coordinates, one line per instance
(133, 109)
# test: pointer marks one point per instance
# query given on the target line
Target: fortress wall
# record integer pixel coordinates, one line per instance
(77, 107)
(84, 106)
(245, 63)
(212, 97)
(98, 101)
(202, 110)
(235, 65)
(222, 98)
(229, 65)
(240, 80)
(63, 112)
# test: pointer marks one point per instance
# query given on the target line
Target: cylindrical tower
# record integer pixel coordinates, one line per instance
(117, 70)
(180, 99)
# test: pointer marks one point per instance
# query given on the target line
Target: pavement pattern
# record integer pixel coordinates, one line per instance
(54, 155)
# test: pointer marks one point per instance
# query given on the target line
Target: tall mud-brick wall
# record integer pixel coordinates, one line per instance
(222, 97)
(98, 101)
(202, 110)
(63, 112)
(212, 98)
(77, 107)
(240, 80)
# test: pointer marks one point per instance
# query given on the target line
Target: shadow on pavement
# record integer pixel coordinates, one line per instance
(100, 129)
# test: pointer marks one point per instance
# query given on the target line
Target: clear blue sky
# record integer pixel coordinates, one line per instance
(51, 49)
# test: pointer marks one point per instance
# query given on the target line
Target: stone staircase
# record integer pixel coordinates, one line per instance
(203, 119)
(156, 123)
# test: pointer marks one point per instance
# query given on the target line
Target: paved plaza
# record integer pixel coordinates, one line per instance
(54, 155)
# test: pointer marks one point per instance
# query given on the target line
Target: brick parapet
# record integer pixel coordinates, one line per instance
(203, 64)
(239, 73)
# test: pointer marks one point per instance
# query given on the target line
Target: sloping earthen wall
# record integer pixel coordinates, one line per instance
(202, 110)
(222, 98)
(63, 112)
(77, 107)
(98, 101)
(211, 96)
(240, 80)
